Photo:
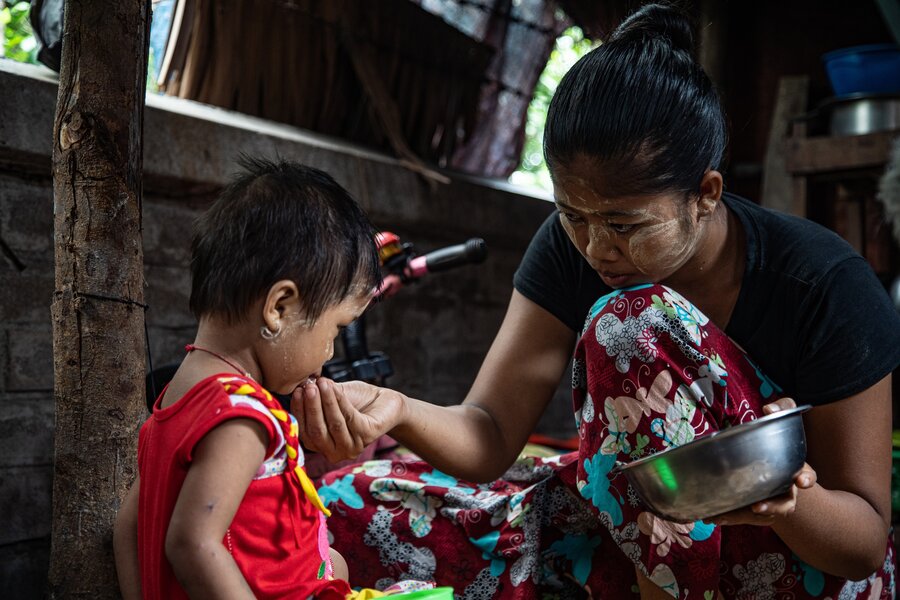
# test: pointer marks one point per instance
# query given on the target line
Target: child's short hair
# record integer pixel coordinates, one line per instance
(280, 221)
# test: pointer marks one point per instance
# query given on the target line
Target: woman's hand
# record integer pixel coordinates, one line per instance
(339, 420)
(766, 512)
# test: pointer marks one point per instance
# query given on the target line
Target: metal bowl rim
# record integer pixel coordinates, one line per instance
(717, 435)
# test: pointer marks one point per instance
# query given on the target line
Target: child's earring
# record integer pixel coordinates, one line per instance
(268, 334)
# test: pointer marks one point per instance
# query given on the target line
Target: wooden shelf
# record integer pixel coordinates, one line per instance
(835, 183)
(815, 155)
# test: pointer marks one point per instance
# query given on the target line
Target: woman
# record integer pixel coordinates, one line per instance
(753, 300)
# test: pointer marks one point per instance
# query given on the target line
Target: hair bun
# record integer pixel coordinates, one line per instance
(658, 21)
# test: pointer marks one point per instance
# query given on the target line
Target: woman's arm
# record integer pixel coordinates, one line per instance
(225, 461)
(836, 518)
(840, 525)
(125, 544)
(476, 440)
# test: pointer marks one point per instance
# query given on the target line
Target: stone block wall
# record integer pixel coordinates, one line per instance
(436, 332)
(26, 384)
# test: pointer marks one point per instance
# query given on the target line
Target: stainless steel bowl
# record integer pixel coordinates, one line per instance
(723, 471)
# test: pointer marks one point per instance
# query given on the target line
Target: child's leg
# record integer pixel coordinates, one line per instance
(339, 565)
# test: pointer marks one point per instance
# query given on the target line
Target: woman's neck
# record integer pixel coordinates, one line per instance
(712, 278)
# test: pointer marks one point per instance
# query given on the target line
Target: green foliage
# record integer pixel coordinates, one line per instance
(532, 171)
(20, 44)
(18, 39)
(151, 69)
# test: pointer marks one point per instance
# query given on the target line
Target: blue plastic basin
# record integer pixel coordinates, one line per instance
(871, 69)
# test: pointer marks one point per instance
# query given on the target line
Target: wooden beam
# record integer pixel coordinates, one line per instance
(97, 309)
(808, 156)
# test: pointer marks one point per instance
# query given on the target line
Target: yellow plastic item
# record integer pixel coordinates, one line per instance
(365, 594)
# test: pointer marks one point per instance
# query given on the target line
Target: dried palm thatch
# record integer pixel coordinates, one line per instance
(386, 74)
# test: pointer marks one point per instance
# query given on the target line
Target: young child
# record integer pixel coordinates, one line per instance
(222, 506)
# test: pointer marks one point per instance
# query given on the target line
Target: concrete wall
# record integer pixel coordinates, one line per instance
(436, 332)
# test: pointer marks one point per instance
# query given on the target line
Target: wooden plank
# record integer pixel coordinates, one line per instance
(790, 101)
(808, 156)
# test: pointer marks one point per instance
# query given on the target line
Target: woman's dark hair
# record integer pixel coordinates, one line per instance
(640, 109)
(280, 221)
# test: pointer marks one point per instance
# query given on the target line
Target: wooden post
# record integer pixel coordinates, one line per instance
(97, 309)
(777, 185)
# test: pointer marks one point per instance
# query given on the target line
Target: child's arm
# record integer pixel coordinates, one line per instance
(125, 545)
(224, 464)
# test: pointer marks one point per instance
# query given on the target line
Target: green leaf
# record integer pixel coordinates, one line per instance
(18, 38)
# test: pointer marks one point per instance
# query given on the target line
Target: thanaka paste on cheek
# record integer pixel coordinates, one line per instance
(662, 247)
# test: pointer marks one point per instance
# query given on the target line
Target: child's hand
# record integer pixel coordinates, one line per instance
(767, 511)
(339, 420)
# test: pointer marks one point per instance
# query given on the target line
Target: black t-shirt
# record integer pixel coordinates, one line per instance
(810, 313)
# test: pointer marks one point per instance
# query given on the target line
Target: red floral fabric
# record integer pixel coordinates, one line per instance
(650, 372)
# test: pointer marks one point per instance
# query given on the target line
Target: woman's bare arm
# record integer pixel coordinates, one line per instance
(476, 440)
(840, 525)
(838, 519)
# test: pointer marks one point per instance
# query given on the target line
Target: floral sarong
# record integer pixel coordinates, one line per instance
(649, 373)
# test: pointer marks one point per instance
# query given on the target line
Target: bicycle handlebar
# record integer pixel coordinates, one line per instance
(403, 266)
(472, 251)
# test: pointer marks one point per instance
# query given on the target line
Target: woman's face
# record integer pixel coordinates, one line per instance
(630, 240)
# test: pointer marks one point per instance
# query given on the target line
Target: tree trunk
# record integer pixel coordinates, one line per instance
(97, 309)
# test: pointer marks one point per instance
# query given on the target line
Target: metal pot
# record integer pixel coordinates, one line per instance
(726, 470)
(863, 113)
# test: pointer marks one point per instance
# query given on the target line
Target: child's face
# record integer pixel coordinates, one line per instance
(305, 348)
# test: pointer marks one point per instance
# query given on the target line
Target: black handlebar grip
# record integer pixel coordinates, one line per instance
(473, 250)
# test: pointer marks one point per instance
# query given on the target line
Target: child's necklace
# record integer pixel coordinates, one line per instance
(191, 348)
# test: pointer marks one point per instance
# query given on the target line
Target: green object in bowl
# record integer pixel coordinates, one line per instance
(438, 593)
